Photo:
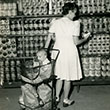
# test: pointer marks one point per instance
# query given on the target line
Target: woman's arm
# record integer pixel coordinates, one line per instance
(26, 79)
(78, 41)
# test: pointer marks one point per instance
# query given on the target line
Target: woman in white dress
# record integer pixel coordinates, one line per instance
(67, 34)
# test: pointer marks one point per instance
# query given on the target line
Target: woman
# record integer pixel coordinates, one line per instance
(66, 32)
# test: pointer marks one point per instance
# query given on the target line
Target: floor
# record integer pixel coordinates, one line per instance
(88, 98)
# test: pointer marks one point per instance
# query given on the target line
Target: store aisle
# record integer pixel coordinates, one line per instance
(91, 98)
(88, 98)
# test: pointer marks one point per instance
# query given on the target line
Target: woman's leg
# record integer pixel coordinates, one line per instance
(66, 89)
(66, 101)
(59, 84)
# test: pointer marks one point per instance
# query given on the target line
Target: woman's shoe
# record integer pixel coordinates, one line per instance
(68, 102)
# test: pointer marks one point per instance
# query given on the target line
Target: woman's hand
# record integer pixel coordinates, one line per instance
(86, 35)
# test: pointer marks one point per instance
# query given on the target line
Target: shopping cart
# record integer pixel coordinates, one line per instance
(40, 104)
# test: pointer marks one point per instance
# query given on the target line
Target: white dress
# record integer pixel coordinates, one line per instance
(68, 64)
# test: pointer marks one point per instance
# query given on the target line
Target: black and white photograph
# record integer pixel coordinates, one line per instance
(54, 54)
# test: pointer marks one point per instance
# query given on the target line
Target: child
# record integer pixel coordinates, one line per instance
(36, 73)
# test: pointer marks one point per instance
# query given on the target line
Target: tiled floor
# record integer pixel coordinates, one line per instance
(88, 98)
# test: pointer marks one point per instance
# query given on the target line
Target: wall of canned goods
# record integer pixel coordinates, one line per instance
(24, 28)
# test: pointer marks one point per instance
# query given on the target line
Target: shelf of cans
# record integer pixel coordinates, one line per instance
(8, 8)
(27, 26)
(44, 7)
(31, 26)
(40, 25)
(24, 28)
(96, 66)
(96, 24)
(10, 71)
(18, 47)
(98, 45)
(36, 7)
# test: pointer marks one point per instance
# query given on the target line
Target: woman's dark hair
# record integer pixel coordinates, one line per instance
(70, 6)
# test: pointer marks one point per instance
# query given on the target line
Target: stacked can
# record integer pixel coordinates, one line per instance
(0, 47)
(8, 9)
(15, 26)
(7, 70)
(33, 43)
(84, 49)
(13, 74)
(4, 27)
(105, 67)
(58, 4)
(105, 23)
(12, 50)
(97, 67)
(8, 47)
(99, 41)
(108, 67)
(1, 72)
(35, 7)
(105, 44)
(34, 26)
(99, 44)
(29, 46)
(18, 70)
(42, 7)
(19, 41)
(86, 24)
(101, 24)
(85, 66)
(108, 6)
(97, 23)
(90, 46)
(91, 66)
(108, 24)
(92, 6)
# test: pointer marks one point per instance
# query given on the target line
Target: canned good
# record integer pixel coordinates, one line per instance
(91, 60)
(103, 73)
(97, 73)
(91, 67)
(104, 68)
(108, 73)
(91, 73)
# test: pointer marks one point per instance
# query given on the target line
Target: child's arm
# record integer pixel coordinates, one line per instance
(26, 79)
(45, 73)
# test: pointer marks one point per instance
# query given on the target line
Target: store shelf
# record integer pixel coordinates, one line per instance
(95, 15)
(32, 35)
(58, 15)
(92, 81)
(25, 47)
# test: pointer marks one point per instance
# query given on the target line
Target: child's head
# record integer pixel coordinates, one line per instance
(29, 69)
(41, 55)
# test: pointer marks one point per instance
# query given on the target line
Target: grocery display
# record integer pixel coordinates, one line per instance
(24, 26)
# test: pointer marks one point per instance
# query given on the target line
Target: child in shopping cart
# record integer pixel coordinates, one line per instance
(34, 91)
